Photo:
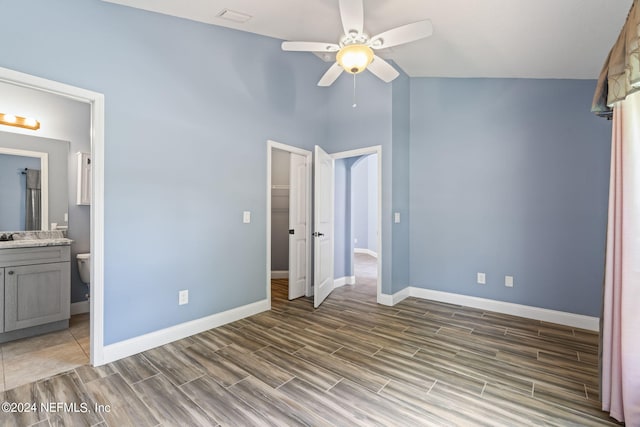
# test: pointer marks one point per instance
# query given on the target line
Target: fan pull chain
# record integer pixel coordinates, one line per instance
(354, 92)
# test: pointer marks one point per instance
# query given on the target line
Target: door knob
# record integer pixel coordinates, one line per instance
(317, 234)
(10, 273)
(292, 231)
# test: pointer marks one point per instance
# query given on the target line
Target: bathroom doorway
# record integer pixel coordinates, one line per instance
(93, 103)
(65, 131)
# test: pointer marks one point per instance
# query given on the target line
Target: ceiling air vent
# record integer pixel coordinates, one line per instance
(232, 15)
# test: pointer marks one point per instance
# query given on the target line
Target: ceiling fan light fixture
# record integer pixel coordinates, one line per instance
(355, 58)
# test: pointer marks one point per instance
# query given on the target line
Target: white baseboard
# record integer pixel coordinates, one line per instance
(279, 274)
(80, 307)
(154, 339)
(365, 251)
(530, 312)
(347, 280)
(390, 300)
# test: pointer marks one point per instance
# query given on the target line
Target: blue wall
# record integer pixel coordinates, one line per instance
(189, 108)
(342, 266)
(400, 196)
(13, 190)
(509, 177)
(367, 125)
(360, 201)
(500, 176)
(372, 202)
(364, 184)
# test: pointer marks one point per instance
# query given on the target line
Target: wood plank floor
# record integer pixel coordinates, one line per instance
(351, 362)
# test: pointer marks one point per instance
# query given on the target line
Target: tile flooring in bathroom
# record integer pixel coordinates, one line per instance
(31, 359)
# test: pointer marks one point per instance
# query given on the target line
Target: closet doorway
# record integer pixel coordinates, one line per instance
(289, 219)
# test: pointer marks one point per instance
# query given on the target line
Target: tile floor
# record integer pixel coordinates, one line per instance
(31, 359)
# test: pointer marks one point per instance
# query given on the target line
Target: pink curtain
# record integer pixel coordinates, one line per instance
(620, 385)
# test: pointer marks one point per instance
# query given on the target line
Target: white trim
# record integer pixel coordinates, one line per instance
(279, 274)
(155, 339)
(96, 100)
(80, 307)
(346, 280)
(376, 149)
(271, 145)
(552, 316)
(385, 299)
(44, 180)
(365, 251)
(391, 300)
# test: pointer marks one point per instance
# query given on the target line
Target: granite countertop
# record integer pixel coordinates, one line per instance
(32, 239)
(11, 244)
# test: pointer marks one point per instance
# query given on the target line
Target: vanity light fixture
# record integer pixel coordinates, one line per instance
(17, 121)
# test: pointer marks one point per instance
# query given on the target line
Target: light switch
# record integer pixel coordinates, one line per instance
(396, 217)
(508, 281)
(183, 297)
(246, 217)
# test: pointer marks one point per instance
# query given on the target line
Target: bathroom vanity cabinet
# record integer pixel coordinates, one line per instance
(34, 290)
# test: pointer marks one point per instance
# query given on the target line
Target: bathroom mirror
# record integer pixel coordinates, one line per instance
(19, 207)
(24, 190)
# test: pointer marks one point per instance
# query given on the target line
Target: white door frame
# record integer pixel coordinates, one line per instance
(271, 145)
(96, 101)
(377, 149)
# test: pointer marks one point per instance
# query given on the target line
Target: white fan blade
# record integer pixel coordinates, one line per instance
(400, 35)
(382, 69)
(352, 15)
(310, 47)
(331, 75)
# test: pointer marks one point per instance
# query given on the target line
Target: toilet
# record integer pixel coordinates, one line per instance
(84, 267)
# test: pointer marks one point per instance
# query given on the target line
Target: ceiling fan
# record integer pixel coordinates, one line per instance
(355, 48)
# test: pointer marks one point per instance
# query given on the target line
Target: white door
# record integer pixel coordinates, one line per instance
(323, 226)
(298, 225)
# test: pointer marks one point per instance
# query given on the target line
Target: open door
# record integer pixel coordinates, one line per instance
(323, 226)
(298, 225)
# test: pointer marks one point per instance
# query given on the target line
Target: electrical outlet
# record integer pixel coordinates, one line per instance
(508, 281)
(482, 279)
(183, 297)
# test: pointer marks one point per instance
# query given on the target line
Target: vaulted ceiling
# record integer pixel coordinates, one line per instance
(472, 38)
